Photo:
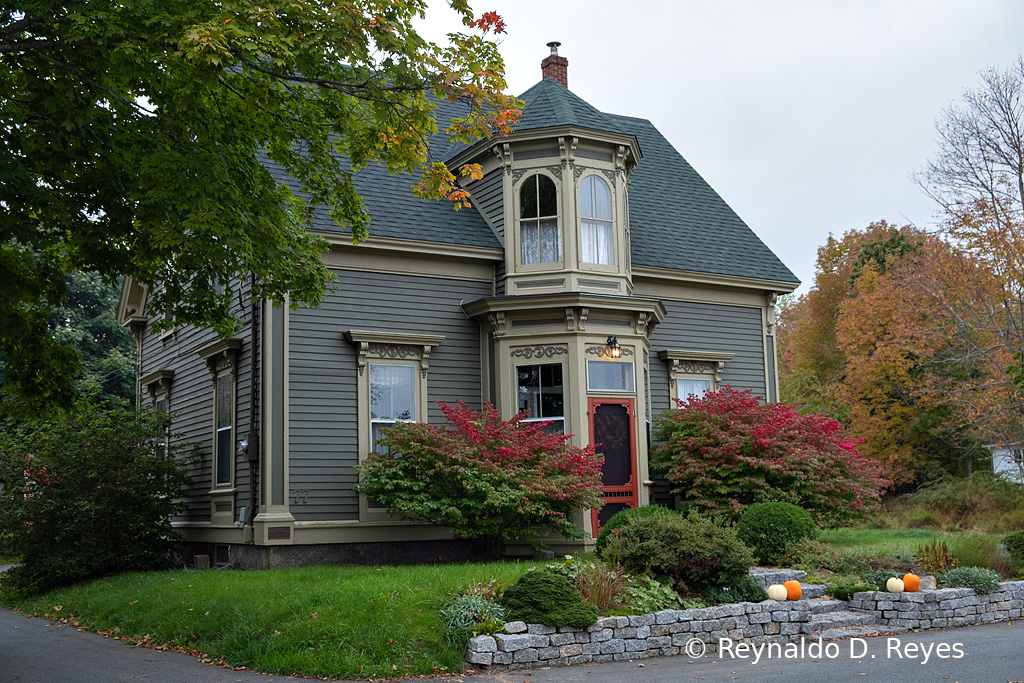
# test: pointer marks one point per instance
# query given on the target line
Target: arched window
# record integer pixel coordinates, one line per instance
(539, 237)
(596, 244)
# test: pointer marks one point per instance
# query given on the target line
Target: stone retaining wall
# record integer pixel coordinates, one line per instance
(943, 608)
(641, 636)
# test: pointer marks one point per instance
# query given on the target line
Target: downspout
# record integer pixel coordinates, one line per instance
(253, 451)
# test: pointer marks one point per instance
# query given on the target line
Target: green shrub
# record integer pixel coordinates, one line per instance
(1014, 544)
(811, 556)
(769, 529)
(620, 517)
(544, 597)
(484, 478)
(746, 589)
(979, 578)
(728, 450)
(88, 495)
(692, 551)
(842, 588)
(644, 595)
(464, 616)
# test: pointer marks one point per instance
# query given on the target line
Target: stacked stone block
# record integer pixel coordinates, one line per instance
(943, 608)
(641, 636)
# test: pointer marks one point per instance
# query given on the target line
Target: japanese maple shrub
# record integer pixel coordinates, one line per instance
(727, 450)
(484, 478)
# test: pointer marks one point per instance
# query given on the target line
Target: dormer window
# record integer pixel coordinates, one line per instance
(540, 238)
(597, 239)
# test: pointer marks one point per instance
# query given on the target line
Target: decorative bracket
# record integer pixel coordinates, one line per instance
(221, 355)
(504, 154)
(393, 345)
(770, 318)
(696, 362)
(158, 383)
(499, 323)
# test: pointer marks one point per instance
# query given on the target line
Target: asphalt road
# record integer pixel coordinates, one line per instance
(36, 650)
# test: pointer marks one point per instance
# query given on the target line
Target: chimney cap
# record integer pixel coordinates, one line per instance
(554, 46)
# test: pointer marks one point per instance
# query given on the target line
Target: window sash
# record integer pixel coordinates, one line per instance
(596, 245)
(392, 392)
(541, 242)
(223, 422)
(543, 393)
(616, 376)
(687, 386)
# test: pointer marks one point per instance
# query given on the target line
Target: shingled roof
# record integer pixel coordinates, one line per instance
(677, 221)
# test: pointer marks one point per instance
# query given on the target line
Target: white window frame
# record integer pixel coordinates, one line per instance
(518, 232)
(597, 265)
(699, 365)
(387, 348)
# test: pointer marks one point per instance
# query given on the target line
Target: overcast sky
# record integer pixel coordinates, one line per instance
(806, 116)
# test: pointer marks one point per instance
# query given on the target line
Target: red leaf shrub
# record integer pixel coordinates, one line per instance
(483, 477)
(728, 450)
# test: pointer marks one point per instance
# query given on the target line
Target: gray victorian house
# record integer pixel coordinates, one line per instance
(596, 279)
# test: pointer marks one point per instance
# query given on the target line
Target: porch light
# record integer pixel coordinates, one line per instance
(614, 350)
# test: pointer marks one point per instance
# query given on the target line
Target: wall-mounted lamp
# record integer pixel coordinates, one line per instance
(614, 350)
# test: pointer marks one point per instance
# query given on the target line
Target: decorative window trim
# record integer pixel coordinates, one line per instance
(387, 348)
(393, 346)
(221, 357)
(685, 364)
(158, 383)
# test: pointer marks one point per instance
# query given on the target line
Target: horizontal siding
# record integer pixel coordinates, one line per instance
(191, 403)
(323, 428)
(709, 327)
(487, 197)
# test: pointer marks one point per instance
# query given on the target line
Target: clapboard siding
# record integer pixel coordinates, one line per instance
(323, 428)
(191, 403)
(709, 327)
(487, 196)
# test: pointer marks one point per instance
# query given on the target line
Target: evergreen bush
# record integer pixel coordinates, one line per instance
(770, 529)
(620, 518)
(979, 578)
(693, 551)
(545, 597)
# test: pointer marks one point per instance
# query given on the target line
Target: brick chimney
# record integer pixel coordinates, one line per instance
(555, 67)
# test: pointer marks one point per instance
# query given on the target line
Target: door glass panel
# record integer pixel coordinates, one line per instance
(612, 438)
(608, 511)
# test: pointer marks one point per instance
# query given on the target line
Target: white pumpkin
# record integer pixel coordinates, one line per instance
(777, 592)
(894, 585)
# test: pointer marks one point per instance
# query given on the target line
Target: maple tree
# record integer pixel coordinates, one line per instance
(727, 450)
(884, 351)
(485, 478)
(133, 134)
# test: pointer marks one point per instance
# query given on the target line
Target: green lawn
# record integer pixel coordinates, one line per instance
(318, 621)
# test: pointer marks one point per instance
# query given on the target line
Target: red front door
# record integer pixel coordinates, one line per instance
(613, 433)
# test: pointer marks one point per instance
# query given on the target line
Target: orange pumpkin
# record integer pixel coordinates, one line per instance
(793, 590)
(911, 582)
